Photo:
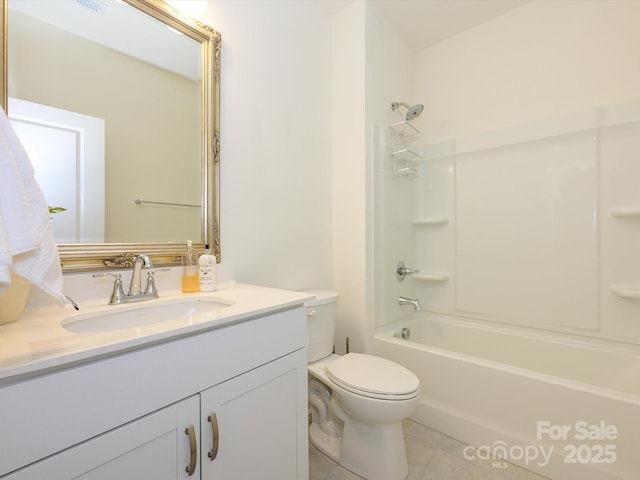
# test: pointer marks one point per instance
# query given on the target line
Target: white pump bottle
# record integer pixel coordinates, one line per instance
(207, 263)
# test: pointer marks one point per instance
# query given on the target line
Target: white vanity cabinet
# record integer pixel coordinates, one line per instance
(151, 412)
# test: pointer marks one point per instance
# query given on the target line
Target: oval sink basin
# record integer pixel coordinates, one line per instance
(152, 312)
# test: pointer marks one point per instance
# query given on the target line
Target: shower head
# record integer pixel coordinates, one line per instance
(412, 111)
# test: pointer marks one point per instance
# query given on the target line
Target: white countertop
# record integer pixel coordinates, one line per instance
(37, 343)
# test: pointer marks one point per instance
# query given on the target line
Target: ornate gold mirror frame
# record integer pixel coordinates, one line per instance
(96, 256)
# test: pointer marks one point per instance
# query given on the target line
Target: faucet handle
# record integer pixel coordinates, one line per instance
(151, 272)
(402, 271)
(151, 289)
(118, 293)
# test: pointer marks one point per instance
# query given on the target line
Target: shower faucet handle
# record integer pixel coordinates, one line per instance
(402, 271)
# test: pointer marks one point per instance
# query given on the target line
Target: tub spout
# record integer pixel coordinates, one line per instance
(410, 301)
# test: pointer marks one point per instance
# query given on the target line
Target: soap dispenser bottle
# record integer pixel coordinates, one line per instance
(190, 280)
(207, 263)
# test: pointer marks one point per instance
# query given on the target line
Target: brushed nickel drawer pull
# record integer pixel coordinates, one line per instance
(213, 419)
(193, 458)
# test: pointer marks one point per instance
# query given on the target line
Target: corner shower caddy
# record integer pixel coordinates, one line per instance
(405, 162)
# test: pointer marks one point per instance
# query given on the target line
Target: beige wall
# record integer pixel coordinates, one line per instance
(147, 156)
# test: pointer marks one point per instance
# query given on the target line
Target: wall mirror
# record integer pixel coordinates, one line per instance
(117, 104)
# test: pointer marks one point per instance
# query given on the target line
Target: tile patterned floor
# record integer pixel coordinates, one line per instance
(431, 456)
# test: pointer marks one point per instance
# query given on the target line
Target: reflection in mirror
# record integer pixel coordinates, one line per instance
(66, 58)
(117, 106)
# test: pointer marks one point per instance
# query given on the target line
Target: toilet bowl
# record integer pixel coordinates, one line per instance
(357, 401)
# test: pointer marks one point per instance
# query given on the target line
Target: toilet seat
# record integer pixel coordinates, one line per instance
(373, 377)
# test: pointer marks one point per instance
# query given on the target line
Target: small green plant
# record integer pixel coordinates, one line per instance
(53, 210)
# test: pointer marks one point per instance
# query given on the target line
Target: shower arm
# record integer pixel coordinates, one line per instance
(396, 105)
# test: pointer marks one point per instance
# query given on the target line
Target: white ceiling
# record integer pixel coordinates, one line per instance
(422, 23)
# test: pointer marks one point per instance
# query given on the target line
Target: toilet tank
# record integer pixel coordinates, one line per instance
(321, 321)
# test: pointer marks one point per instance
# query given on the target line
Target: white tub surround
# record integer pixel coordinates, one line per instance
(163, 386)
(535, 225)
(573, 405)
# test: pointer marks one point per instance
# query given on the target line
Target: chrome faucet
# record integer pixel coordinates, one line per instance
(136, 293)
(410, 301)
(136, 281)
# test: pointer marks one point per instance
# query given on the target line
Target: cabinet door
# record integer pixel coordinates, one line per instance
(258, 420)
(155, 447)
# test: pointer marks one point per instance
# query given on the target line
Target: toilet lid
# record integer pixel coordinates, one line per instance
(373, 376)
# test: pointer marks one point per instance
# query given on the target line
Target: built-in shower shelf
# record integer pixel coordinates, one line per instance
(406, 155)
(626, 291)
(404, 129)
(430, 221)
(626, 211)
(431, 277)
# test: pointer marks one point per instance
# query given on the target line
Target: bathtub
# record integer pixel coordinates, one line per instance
(561, 406)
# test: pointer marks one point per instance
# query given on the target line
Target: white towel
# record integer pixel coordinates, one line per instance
(26, 237)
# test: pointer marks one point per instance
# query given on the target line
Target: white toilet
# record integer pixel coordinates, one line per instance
(357, 401)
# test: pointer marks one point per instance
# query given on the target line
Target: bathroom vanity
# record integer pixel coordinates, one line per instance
(222, 395)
